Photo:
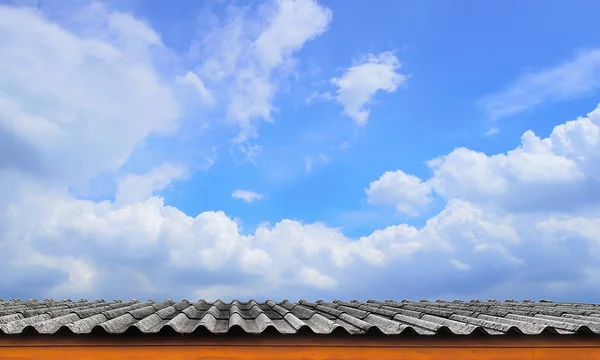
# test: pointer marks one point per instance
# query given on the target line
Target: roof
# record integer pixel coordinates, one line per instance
(286, 317)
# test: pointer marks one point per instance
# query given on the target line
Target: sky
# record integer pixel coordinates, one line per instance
(300, 149)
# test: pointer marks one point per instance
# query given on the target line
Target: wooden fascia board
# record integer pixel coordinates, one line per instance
(297, 348)
(300, 341)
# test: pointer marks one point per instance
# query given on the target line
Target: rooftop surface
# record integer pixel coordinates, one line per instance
(286, 317)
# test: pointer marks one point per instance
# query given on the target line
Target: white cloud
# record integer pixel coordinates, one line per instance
(256, 261)
(406, 192)
(246, 195)
(244, 58)
(134, 188)
(566, 81)
(64, 98)
(291, 23)
(287, 258)
(551, 174)
(314, 278)
(191, 79)
(564, 230)
(358, 85)
(111, 240)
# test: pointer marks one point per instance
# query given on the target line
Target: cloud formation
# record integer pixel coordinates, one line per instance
(406, 192)
(245, 58)
(359, 84)
(133, 188)
(100, 99)
(505, 217)
(151, 247)
(558, 173)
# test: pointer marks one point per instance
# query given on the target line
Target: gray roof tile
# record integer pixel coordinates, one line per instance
(286, 317)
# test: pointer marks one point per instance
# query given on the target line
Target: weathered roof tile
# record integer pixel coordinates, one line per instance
(354, 317)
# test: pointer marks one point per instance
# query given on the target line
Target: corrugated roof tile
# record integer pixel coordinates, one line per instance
(52, 325)
(286, 317)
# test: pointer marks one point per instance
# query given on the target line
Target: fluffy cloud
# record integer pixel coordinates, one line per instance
(557, 173)
(149, 240)
(566, 81)
(73, 106)
(401, 190)
(246, 195)
(156, 250)
(358, 85)
(134, 188)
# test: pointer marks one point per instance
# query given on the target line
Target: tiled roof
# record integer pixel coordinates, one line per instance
(286, 317)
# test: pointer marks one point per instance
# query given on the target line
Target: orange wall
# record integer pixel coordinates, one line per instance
(272, 353)
(300, 349)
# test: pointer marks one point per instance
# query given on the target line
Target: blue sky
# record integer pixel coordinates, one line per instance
(300, 149)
